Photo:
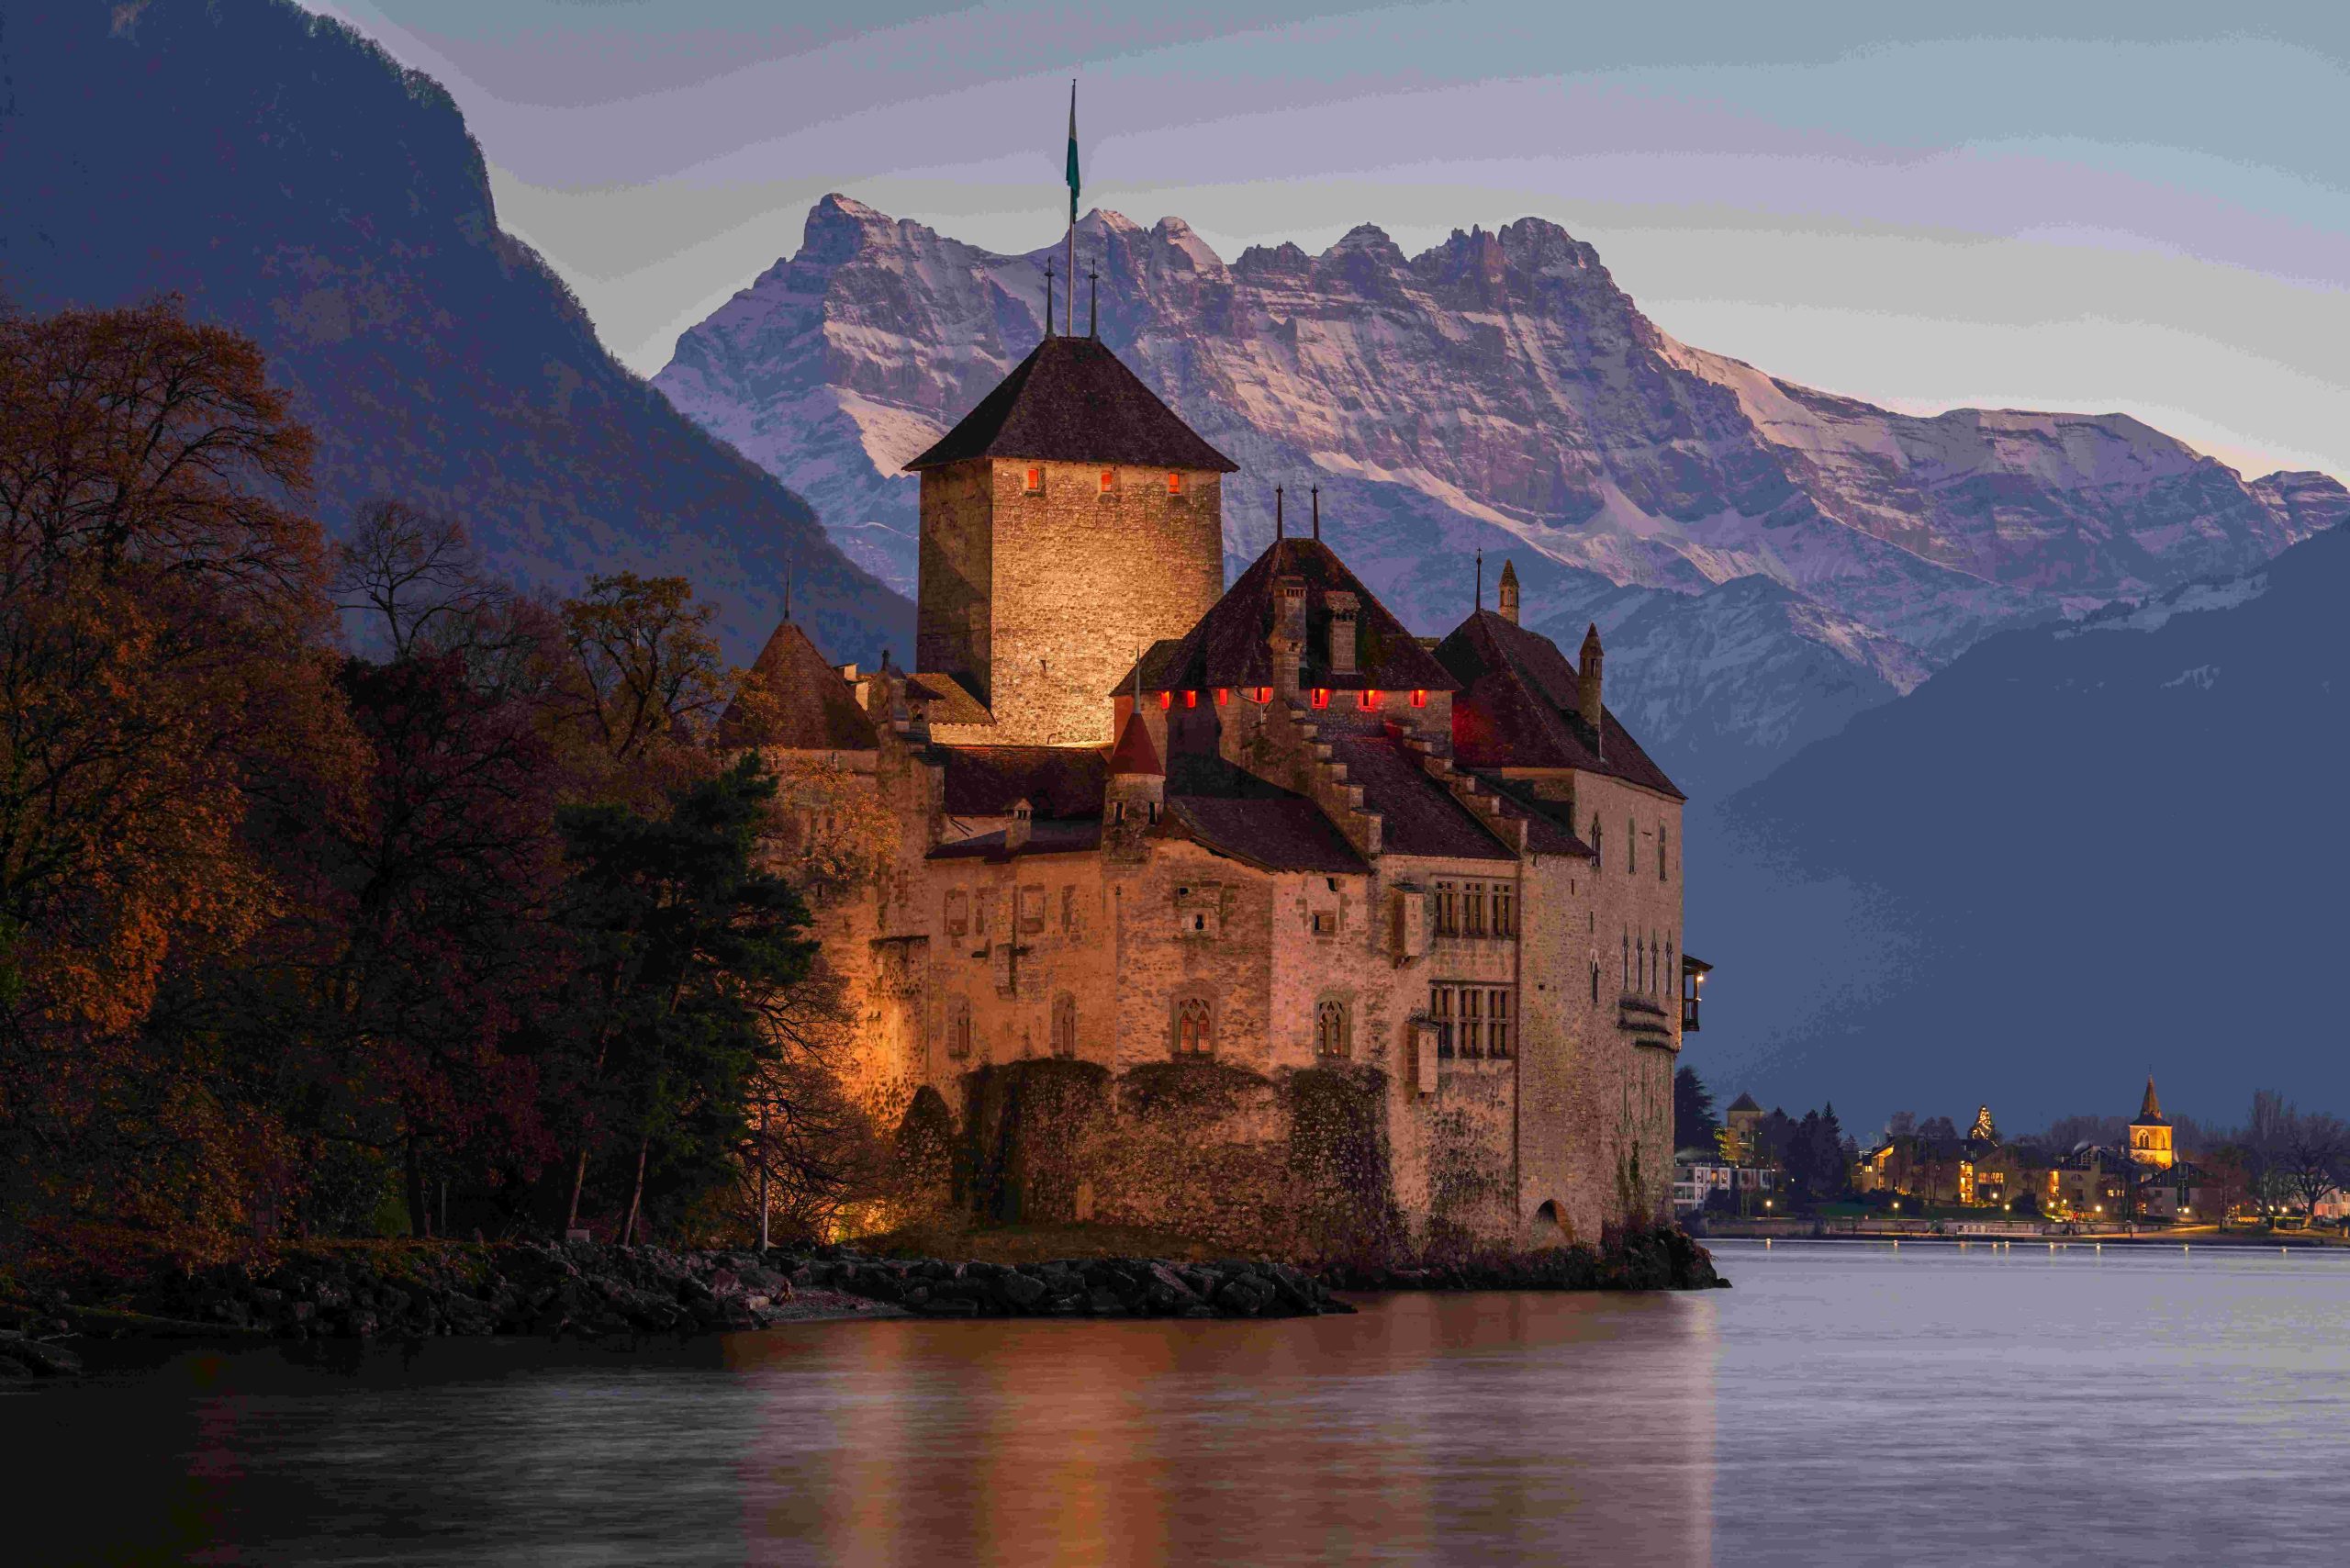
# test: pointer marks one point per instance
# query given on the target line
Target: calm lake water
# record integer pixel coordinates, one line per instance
(1841, 1405)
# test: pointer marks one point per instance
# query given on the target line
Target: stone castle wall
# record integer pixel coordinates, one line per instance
(1044, 599)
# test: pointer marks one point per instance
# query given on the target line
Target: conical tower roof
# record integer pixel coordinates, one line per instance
(795, 701)
(1133, 754)
(2150, 1109)
(1074, 402)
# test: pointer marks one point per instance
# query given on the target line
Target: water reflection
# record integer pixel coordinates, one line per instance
(1840, 1406)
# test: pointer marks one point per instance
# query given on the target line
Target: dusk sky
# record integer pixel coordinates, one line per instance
(2140, 207)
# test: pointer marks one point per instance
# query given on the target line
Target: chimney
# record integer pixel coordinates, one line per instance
(1506, 600)
(1016, 832)
(1289, 633)
(1342, 607)
(1587, 686)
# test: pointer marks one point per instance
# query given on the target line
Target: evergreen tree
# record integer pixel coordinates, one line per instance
(690, 948)
(1694, 1122)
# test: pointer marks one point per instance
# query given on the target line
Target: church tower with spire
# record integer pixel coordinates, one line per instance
(2150, 1143)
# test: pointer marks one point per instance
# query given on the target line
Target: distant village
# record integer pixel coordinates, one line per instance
(1748, 1167)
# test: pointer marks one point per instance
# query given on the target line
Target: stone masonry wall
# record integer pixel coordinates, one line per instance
(1058, 591)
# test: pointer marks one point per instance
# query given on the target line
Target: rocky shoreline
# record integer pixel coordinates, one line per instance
(623, 1294)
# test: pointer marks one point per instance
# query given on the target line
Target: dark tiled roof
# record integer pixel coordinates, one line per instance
(1228, 647)
(793, 700)
(1419, 815)
(1074, 402)
(1056, 781)
(1519, 707)
(1284, 833)
(1134, 753)
(2150, 1109)
(1744, 1103)
(1546, 832)
(1076, 837)
(947, 700)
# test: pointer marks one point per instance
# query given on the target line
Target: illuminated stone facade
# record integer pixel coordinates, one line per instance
(1349, 940)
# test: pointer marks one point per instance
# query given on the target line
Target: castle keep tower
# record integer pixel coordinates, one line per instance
(1068, 522)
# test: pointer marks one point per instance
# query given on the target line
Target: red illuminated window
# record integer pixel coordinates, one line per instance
(1035, 480)
(1419, 699)
(1109, 478)
(1167, 700)
(1174, 484)
(1369, 700)
(1191, 699)
(1321, 697)
(1260, 694)
(1223, 695)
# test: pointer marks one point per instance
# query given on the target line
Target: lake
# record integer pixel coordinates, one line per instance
(1844, 1404)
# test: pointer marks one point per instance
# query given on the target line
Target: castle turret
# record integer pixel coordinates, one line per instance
(1136, 788)
(1068, 519)
(1506, 601)
(1589, 666)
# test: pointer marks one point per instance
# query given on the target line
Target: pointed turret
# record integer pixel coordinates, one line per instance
(1589, 664)
(1136, 789)
(2150, 1109)
(1505, 602)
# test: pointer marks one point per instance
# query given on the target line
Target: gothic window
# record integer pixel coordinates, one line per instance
(1497, 1022)
(1504, 910)
(1065, 1025)
(1195, 1037)
(959, 1029)
(1330, 1030)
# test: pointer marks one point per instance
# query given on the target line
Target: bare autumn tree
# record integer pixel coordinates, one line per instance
(2310, 1154)
(642, 687)
(414, 582)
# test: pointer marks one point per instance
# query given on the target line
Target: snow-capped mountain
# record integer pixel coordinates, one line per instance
(1497, 391)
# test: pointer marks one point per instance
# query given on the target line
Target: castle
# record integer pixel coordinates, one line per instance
(1237, 910)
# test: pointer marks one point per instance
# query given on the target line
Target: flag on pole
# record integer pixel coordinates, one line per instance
(1072, 152)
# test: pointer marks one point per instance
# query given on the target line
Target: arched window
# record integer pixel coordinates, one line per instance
(1193, 1034)
(1330, 1031)
(959, 1029)
(1065, 1025)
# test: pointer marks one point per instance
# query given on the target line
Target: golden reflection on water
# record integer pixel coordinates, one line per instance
(1425, 1428)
